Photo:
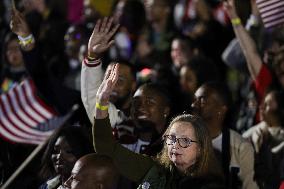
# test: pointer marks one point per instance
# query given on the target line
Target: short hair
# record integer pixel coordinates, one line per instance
(99, 163)
(186, 42)
(203, 68)
(77, 139)
(128, 64)
(158, 90)
(201, 167)
(222, 91)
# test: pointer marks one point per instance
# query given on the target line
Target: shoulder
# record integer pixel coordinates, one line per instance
(237, 141)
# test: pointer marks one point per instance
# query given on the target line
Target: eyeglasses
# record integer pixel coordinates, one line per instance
(183, 142)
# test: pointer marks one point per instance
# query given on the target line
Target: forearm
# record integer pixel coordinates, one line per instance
(91, 78)
(249, 49)
(131, 165)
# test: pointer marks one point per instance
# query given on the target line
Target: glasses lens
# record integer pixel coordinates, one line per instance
(184, 142)
(169, 139)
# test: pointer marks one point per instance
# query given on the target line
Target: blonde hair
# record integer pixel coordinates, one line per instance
(201, 167)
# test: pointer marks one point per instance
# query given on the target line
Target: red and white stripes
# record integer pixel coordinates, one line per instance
(21, 112)
(271, 11)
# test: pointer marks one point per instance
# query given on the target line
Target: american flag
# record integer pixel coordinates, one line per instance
(271, 11)
(25, 117)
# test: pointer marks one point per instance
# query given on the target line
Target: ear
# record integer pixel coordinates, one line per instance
(167, 111)
(224, 109)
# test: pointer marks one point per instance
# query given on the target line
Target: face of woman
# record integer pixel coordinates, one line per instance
(179, 54)
(268, 108)
(188, 80)
(183, 158)
(62, 157)
(14, 54)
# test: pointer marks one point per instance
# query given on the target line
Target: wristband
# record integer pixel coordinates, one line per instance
(236, 21)
(101, 107)
(26, 40)
(91, 58)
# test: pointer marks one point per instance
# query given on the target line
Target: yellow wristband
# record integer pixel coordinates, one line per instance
(101, 107)
(236, 21)
(91, 58)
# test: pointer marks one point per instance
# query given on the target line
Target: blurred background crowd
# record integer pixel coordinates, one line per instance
(175, 56)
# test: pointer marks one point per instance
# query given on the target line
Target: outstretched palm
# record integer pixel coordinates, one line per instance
(101, 38)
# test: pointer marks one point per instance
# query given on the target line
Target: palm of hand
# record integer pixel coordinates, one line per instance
(100, 40)
(98, 43)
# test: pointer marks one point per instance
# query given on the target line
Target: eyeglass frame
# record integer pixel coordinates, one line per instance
(190, 141)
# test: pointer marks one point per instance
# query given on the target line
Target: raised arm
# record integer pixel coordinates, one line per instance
(132, 165)
(247, 44)
(92, 73)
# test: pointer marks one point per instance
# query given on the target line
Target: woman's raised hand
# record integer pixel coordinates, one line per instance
(107, 85)
(18, 23)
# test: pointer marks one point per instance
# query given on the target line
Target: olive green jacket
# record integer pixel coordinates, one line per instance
(141, 168)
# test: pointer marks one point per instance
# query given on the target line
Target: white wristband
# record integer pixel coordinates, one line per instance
(25, 38)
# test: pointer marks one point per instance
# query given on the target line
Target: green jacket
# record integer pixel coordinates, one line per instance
(141, 168)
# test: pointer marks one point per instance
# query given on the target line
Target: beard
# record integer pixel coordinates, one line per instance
(120, 101)
(144, 126)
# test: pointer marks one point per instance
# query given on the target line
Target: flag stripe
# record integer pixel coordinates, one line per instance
(275, 23)
(28, 107)
(41, 110)
(12, 129)
(40, 101)
(24, 117)
(266, 3)
(271, 12)
(11, 138)
(274, 17)
(18, 109)
(16, 119)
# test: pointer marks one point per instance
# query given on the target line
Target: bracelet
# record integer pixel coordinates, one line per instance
(101, 107)
(91, 58)
(26, 40)
(236, 21)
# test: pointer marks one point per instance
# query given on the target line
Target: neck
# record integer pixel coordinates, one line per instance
(145, 136)
(214, 127)
(126, 103)
(160, 25)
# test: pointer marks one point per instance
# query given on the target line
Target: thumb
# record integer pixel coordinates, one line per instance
(111, 43)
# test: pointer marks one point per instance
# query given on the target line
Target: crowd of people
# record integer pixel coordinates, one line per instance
(171, 93)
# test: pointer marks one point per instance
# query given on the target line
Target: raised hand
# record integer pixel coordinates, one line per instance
(104, 91)
(18, 23)
(230, 7)
(101, 38)
(107, 85)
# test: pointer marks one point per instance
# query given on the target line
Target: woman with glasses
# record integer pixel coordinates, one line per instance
(186, 160)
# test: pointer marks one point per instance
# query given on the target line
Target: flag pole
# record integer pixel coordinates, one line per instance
(24, 164)
(35, 152)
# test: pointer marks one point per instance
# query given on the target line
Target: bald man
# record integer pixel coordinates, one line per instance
(93, 171)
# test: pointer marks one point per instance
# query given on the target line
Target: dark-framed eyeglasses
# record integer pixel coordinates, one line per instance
(183, 142)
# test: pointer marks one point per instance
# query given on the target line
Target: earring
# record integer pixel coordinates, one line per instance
(165, 115)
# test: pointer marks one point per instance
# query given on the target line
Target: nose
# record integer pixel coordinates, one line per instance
(175, 144)
(194, 104)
